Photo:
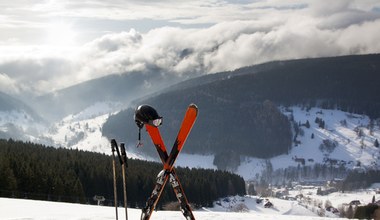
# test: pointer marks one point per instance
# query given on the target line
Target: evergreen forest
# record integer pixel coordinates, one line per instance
(35, 171)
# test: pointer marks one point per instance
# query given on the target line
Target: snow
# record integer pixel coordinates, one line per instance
(21, 123)
(20, 209)
(281, 207)
(339, 127)
(337, 200)
(232, 208)
(82, 134)
(83, 131)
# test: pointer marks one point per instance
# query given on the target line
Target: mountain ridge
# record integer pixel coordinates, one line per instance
(238, 112)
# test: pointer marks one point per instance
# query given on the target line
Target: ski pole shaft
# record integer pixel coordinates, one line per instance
(124, 156)
(114, 187)
(113, 145)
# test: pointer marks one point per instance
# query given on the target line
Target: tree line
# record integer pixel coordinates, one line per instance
(35, 171)
(357, 179)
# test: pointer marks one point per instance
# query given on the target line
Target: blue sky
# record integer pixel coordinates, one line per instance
(48, 45)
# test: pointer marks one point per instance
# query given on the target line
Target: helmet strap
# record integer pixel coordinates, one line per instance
(139, 143)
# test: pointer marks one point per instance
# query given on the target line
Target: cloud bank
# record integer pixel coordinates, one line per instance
(241, 35)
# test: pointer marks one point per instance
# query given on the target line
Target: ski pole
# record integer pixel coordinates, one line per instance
(113, 146)
(124, 166)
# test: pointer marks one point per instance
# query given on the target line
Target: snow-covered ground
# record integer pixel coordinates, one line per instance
(308, 198)
(340, 127)
(231, 208)
(20, 209)
(83, 131)
(351, 133)
(84, 134)
(21, 124)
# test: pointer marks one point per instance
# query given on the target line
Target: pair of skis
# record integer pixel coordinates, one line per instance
(123, 161)
(168, 172)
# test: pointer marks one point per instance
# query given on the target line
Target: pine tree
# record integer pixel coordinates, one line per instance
(322, 124)
(307, 124)
(317, 120)
(376, 144)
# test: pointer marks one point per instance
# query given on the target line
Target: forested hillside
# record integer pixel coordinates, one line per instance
(238, 112)
(35, 171)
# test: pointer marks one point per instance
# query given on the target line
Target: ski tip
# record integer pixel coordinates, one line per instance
(195, 107)
(192, 105)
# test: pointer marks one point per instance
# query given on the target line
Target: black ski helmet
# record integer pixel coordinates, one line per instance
(145, 114)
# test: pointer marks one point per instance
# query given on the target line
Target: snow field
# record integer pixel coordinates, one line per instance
(20, 209)
(340, 127)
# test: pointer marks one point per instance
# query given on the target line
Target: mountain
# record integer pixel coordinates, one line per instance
(17, 119)
(244, 123)
(239, 112)
(117, 88)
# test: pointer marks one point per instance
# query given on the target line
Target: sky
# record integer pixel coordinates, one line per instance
(49, 45)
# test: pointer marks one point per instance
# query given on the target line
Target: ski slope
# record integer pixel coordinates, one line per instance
(341, 128)
(21, 209)
(230, 208)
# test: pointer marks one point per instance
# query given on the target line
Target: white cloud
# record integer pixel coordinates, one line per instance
(242, 34)
(361, 38)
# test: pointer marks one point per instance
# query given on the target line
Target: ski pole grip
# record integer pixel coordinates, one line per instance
(116, 148)
(113, 145)
(123, 153)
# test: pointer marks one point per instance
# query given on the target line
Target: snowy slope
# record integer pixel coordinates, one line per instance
(84, 134)
(20, 125)
(33, 210)
(248, 204)
(231, 208)
(83, 130)
(341, 128)
(340, 201)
